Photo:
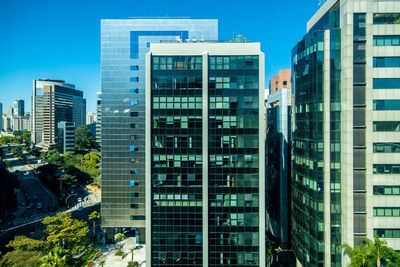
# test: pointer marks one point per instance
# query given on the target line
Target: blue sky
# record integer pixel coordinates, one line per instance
(60, 39)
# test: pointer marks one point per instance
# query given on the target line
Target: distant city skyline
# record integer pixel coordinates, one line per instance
(60, 39)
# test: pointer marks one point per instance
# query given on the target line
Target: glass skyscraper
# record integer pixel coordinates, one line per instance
(205, 154)
(346, 114)
(123, 47)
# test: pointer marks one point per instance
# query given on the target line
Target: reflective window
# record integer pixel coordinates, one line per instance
(386, 190)
(134, 79)
(386, 168)
(386, 83)
(387, 211)
(387, 40)
(138, 218)
(134, 91)
(386, 62)
(386, 147)
(134, 67)
(386, 18)
(392, 104)
(386, 126)
(387, 233)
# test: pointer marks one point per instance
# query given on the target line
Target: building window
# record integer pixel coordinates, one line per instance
(133, 125)
(392, 104)
(135, 79)
(386, 147)
(135, 67)
(134, 91)
(133, 148)
(134, 171)
(387, 233)
(386, 126)
(134, 160)
(387, 212)
(284, 82)
(191, 177)
(134, 194)
(132, 183)
(148, 44)
(387, 40)
(386, 62)
(134, 206)
(134, 137)
(134, 114)
(386, 168)
(386, 190)
(386, 18)
(162, 177)
(138, 218)
(133, 102)
(386, 83)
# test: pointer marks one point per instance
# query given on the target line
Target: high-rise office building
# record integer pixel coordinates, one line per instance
(98, 120)
(346, 130)
(91, 117)
(123, 47)
(282, 80)
(278, 162)
(66, 137)
(205, 163)
(1, 117)
(54, 101)
(19, 108)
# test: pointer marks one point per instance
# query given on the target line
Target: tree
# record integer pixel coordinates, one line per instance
(83, 139)
(119, 237)
(57, 257)
(64, 231)
(26, 138)
(68, 179)
(17, 151)
(26, 252)
(101, 263)
(372, 253)
(131, 250)
(52, 157)
(94, 216)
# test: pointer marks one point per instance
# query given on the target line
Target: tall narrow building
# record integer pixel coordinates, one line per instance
(1, 117)
(346, 84)
(205, 119)
(123, 47)
(54, 101)
(19, 108)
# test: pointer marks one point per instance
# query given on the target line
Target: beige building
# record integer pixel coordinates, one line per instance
(282, 80)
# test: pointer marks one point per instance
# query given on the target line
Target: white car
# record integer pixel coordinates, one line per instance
(79, 199)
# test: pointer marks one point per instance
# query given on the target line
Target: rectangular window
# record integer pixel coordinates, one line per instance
(386, 18)
(386, 147)
(133, 148)
(132, 183)
(392, 104)
(133, 102)
(386, 83)
(386, 126)
(134, 137)
(162, 177)
(386, 62)
(134, 206)
(134, 79)
(134, 67)
(133, 125)
(138, 218)
(387, 40)
(386, 168)
(134, 114)
(134, 160)
(191, 177)
(134, 91)
(134, 171)
(134, 194)
(386, 190)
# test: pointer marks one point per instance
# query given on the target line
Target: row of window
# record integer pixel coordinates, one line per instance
(386, 126)
(386, 168)
(386, 18)
(386, 147)
(386, 83)
(387, 233)
(386, 190)
(233, 62)
(386, 40)
(177, 63)
(387, 211)
(386, 62)
(392, 104)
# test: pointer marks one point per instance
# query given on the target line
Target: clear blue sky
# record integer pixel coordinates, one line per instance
(60, 39)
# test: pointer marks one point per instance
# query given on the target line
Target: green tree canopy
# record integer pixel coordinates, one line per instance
(52, 157)
(84, 140)
(26, 138)
(57, 257)
(67, 232)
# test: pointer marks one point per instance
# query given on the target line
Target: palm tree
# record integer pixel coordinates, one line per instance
(119, 237)
(131, 250)
(57, 257)
(101, 263)
(94, 216)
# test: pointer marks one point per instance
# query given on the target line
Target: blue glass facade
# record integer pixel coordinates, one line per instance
(124, 44)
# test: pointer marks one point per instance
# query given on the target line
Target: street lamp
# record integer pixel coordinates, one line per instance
(66, 200)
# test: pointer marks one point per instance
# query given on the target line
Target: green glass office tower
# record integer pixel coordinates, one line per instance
(205, 150)
(346, 91)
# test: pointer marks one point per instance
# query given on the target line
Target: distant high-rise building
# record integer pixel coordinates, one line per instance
(123, 47)
(282, 80)
(1, 117)
(66, 137)
(98, 121)
(346, 134)
(205, 157)
(91, 117)
(54, 101)
(278, 162)
(19, 108)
